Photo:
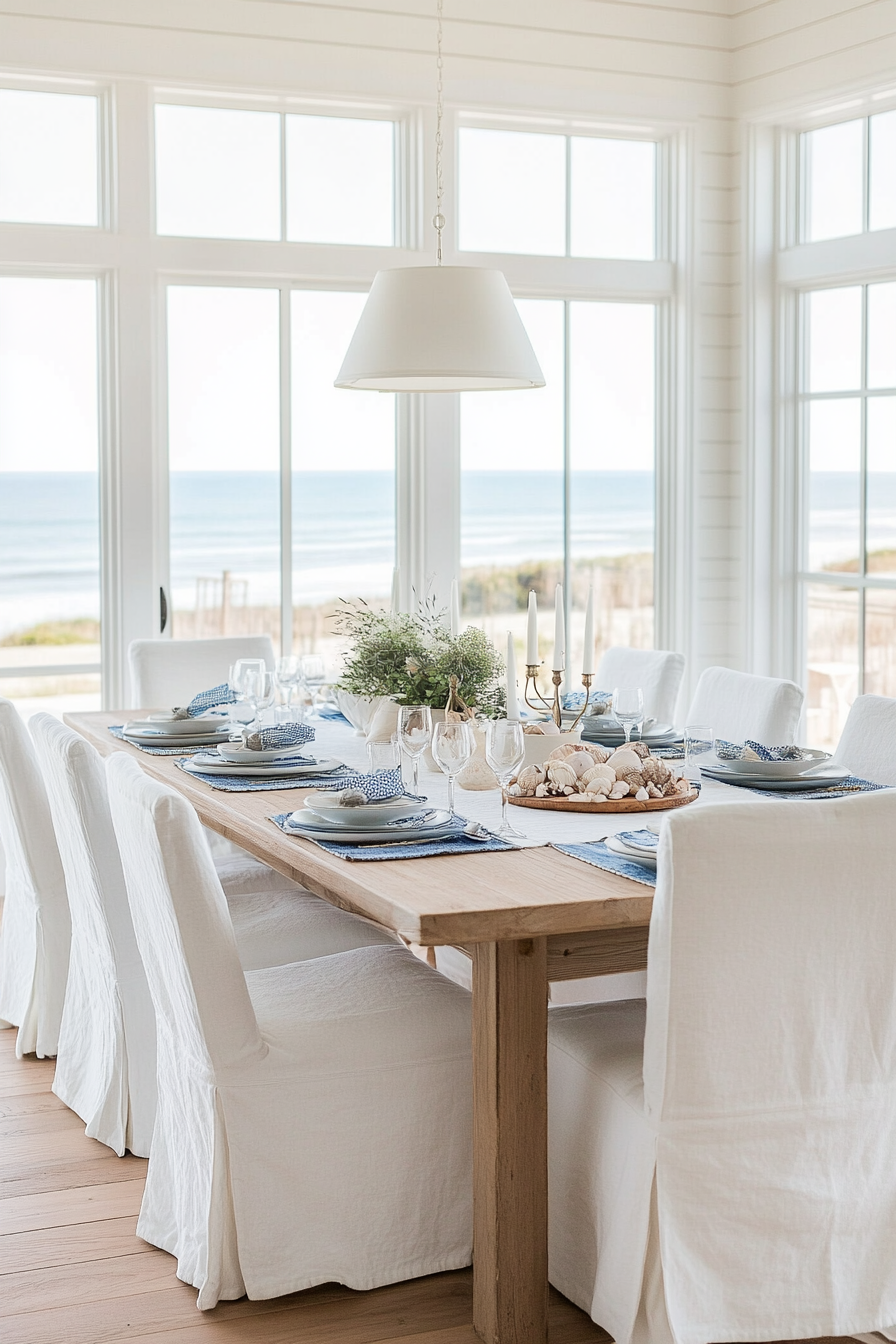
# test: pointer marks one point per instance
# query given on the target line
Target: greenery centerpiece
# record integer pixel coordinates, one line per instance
(412, 658)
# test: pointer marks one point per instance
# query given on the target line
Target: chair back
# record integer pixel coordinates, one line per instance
(205, 1020)
(737, 706)
(106, 1069)
(36, 931)
(656, 671)
(770, 1060)
(169, 672)
(867, 745)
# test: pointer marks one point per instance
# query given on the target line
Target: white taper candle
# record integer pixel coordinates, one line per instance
(513, 707)
(588, 655)
(532, 631)
(559, 663)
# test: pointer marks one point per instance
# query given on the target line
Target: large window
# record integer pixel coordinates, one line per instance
(849, 432)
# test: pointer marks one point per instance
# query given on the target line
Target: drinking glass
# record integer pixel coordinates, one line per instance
(244, 676)
(628, 706)
(265, 693)
(289, 671)
(698, 742)
(384, 755)
(313, 675)
(505, 749)
(414, 732)
(452, 747)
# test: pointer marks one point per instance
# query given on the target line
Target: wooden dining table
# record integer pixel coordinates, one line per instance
(526, 918)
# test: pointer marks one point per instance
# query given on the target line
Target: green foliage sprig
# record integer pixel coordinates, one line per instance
(411, 658)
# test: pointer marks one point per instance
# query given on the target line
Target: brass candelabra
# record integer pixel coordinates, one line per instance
(554, 709)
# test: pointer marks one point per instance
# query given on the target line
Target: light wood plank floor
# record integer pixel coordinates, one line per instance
(72, 1270)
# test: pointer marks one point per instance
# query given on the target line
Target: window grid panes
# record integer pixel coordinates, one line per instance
(848, 178)
(270, 176)
(848, 420)
(545, 194)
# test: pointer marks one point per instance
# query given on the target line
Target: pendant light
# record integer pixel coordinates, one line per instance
(439, 328)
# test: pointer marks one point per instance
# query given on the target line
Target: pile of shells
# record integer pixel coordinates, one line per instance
(592, 774)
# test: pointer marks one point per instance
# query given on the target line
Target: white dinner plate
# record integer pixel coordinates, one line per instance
(165, 723)
(300, 823)
(261, 771)
(812, 759)
(365, 817)
(820, 779)
(240, 755)
(617, 846)
(613, 733)
(195, 739)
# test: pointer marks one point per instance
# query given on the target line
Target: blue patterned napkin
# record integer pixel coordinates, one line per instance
(117, 730)
(644, 839)
(244, 784)
(735, 751)
(576, 699)
(414, 849)
(277, 735)
(333, 715)
(218, 695)
(378, 787)
(596, 853)
(844, 789)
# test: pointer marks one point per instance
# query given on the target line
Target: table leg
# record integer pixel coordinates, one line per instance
(510, 1255)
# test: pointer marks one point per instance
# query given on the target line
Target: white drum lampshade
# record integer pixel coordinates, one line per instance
(440, 329)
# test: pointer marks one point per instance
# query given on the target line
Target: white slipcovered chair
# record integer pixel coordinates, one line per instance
(169, 672)
(738, 705)
(36, 930)
(314, 1120)
(656, 671)
(723, 1157)
(106, 1063)
(867, 746)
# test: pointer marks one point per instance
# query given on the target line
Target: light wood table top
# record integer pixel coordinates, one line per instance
(430, 901)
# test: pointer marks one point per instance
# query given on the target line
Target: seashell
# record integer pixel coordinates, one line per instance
(642, 796)
(569, 790)
(655, 771)
(653, 791)
(561, 753)
(682, 785)
(580, 761)
(561, 774)
(541, 791)
(533, 729)
(600, 772)
(477, 775)
(550, 729)
(514, 791)
(599, 753)
(624, 758)
(530, 777)
(633, 778)
(353, 798)
(640, 749)
(619, 790)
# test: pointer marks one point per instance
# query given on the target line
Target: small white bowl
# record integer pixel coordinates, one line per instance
(540, 745)
(241, 755)
(363, 817)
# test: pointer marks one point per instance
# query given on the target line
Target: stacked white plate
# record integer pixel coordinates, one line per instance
(812, 772)
(161, 730)
(603, 728)
(812, 759)
(284, 767)
(422, 825)
(639, 846)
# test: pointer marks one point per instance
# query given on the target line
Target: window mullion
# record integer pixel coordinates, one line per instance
(567, 479)
(285, 472)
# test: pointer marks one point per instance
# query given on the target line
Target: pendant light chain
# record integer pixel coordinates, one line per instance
(438, 218)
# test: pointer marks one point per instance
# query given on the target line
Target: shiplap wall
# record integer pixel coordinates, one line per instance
(698, 65)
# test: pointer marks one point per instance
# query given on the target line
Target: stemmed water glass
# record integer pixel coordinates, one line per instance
(628, 707)
(313, 675)
(452, 747)
(243, 680)
(289, 672)
(414, 732)
(505, 750)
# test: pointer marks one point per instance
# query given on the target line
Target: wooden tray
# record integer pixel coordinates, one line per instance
(616, 805)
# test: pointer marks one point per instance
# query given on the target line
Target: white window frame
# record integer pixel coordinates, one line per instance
(134, 266)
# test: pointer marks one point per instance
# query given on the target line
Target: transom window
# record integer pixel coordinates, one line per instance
(848, 178)
(556, 195)
(49, 157)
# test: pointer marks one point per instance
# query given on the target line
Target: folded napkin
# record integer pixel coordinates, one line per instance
(376, 788)
(576, 699)
(218, 695)
(277, 735)
(642, 839)
(596, 853)
(456, 843)
(755, 751)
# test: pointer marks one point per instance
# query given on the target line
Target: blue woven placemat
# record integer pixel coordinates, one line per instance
(246, 784)
(425, 849)
(117, 730)
(596, 853)
(852, 784)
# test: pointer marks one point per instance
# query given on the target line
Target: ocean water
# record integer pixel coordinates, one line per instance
(343, 528)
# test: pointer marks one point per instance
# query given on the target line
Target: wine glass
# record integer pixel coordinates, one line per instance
(414, 732)
(265, 693)
(313, 675)
(243, 677)
(289, 671)
(505, 750)
(452, 747)
(628, 706)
